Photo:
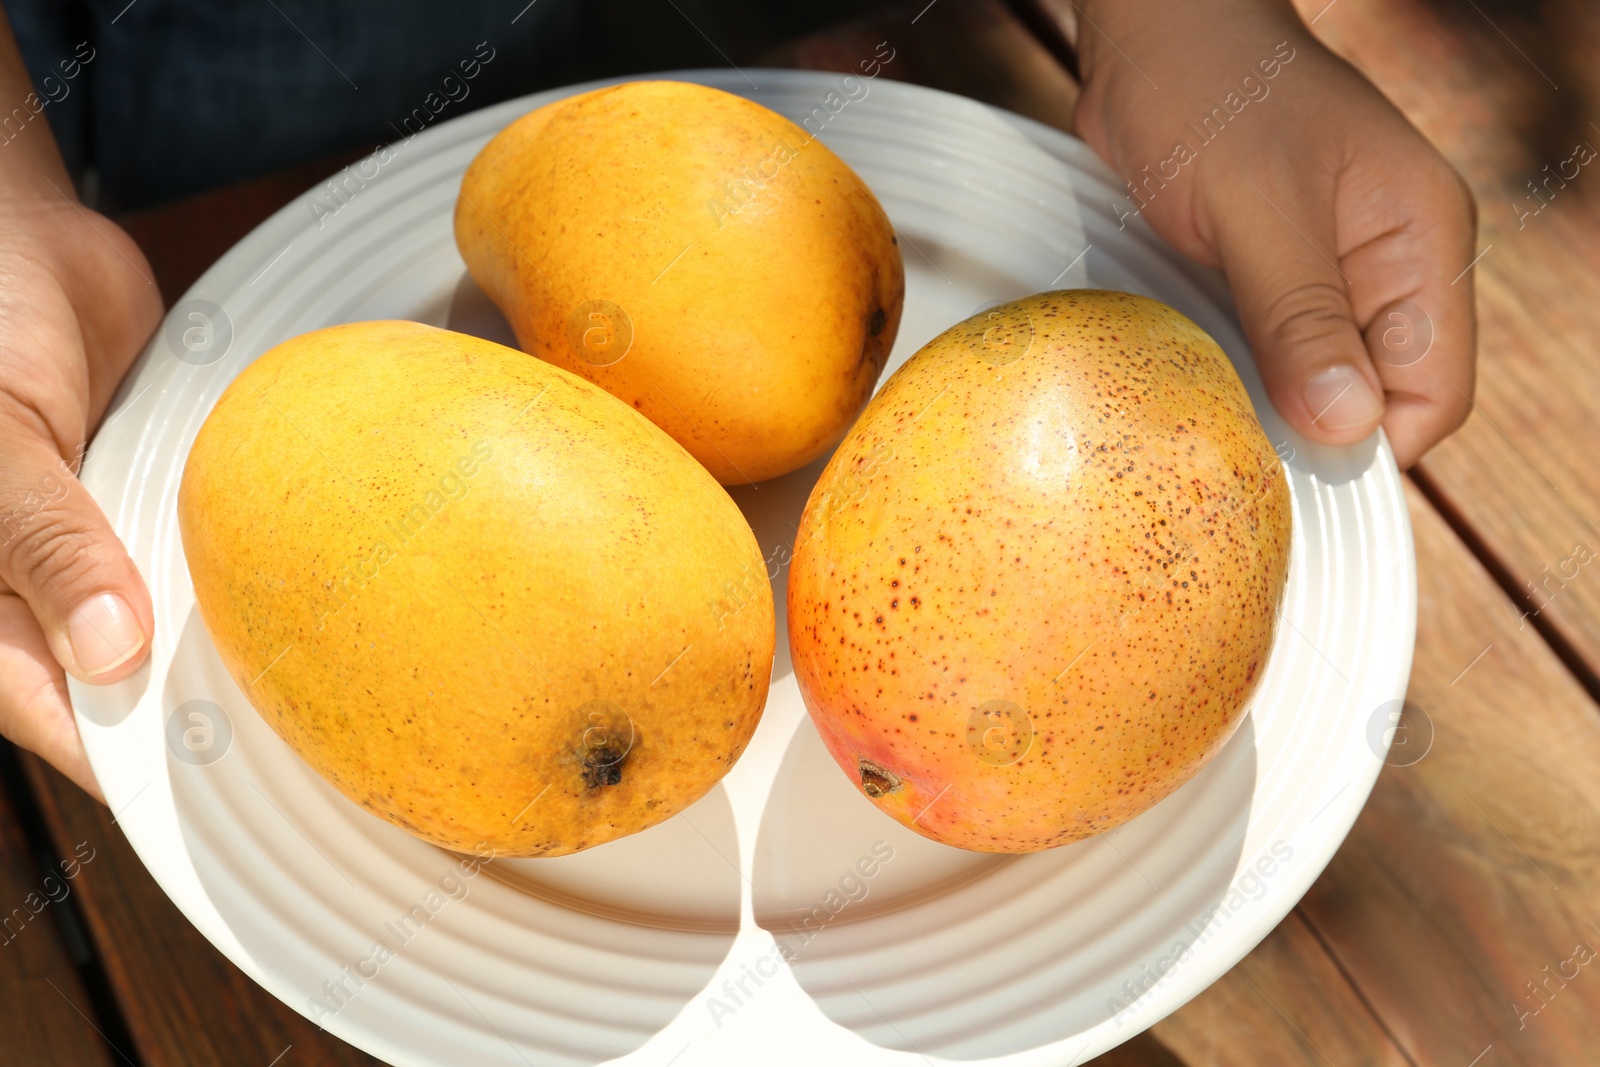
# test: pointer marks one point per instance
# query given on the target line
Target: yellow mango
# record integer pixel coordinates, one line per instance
(695, 254)
(483, 598)
(1037, 583)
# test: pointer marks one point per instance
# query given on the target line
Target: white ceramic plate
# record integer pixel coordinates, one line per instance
(661, 948)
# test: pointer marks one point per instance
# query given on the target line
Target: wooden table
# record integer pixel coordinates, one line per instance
(1471, 877)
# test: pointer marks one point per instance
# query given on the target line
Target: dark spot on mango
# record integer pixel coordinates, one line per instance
(602, 764)
(875, 780)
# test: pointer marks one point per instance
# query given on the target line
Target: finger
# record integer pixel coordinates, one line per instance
(34, 711)
(1279, 254)
(1423, 342)
(58, 552)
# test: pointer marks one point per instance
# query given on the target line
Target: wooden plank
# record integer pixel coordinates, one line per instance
(1473, 872)
(49, 1018)
(977, 49)
(1284, 1004)
(185, 1004)
(1142, 1051)
(1477, 81)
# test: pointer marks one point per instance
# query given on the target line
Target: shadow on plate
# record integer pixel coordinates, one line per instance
(309, 885)
(113, 703)
(471, 311)
(920, 947)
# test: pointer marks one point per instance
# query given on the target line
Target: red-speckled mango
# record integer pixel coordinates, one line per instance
(485, 599)
(1038, 581)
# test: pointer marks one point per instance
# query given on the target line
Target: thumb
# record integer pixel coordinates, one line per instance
(1294, 301)
(58, 552)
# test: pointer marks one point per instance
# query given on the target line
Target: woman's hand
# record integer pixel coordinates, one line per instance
(76, 306)
(77, 303)
(1344, 235)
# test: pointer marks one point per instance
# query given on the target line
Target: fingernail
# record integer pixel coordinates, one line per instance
(104, 634)
(1339, 396)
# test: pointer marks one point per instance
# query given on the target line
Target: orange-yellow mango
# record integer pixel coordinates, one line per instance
(697, 255)
(482, 597)
(1038, 581)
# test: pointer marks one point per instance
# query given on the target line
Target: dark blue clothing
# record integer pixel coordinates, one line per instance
(170, 97)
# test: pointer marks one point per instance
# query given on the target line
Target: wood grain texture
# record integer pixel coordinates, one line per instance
(48, 1016)
(1505, 91)
(1284, 1004)
(976, 48)
(1142, 1051)
(185, 1004)
(1474, 869)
